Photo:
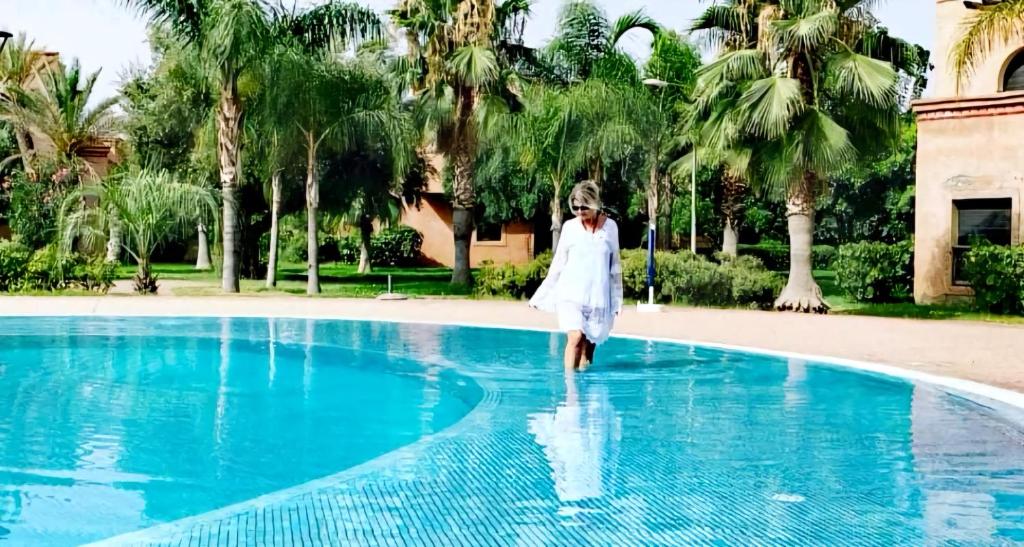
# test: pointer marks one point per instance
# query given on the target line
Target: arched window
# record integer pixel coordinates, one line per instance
(1013, 78)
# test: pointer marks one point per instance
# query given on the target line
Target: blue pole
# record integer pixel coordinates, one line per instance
(650, 264)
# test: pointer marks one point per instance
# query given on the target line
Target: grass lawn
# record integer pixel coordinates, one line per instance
(336, 280)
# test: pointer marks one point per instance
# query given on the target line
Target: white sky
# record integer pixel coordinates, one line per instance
(104, 34)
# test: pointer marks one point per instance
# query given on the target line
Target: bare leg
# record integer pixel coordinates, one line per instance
(573, 349)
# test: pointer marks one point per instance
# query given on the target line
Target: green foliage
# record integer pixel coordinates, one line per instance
(49, 269)
(685, 278)
(14, 257)
(33, 210)
(753, 285)
(876, 272)
(775, 255)
(512, 281)
(996, 273)
(397, 246)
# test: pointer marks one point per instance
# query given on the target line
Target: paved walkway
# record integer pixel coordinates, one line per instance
(983, 352)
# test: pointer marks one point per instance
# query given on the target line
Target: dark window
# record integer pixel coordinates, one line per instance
(979, 220)
(489, 231)
(1013, 79)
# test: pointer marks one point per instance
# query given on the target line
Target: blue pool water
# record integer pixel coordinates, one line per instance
(256, 431)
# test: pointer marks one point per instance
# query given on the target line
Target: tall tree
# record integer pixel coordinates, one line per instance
(813, 103)
(231, 37)
(458, 52)
(338, 106)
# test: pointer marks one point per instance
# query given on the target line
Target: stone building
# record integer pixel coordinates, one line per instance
(970, 161)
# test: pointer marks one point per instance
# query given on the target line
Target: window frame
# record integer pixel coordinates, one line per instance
(957, 248)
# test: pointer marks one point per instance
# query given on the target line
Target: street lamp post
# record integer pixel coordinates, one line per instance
(654, 82)
(4, 36)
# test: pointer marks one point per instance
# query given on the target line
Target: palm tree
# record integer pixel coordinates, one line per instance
(586, 49)
(148, 207)
(232, 36)
(339, 106)
(546, 140)
(813, 104)
(60, 110)
(18, 63)
(458, 52)
(993, 24)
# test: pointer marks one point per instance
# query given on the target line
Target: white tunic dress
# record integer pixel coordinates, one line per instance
(584, 284)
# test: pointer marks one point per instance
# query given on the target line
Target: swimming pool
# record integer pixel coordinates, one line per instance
(294, 431)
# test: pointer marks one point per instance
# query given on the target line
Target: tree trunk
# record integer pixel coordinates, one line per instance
(801, 293)
(114, 243)
(229, 125)
(596, 171)
(365, 237)
(464, 194)
(145, 283)
(556, 216)
(734, 189)
(312, 205)
(203, 256)
(729, 238)
(652, 201)
(275, 213)
(25, 150)
(666, 199)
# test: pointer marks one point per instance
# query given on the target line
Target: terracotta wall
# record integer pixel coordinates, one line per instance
(961, 158)
(433, 219)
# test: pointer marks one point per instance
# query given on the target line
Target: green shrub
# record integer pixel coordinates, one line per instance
(775, 255)
(33, 210)
(96, 275)
(996, 274)
(753, 285)
(397, 246)
(48, 269)
(684, 277)
(14, 257)
(348, 249)
(680, 277)
(512, 281)
(876, 272)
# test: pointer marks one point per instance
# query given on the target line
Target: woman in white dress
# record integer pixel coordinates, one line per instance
(584, 283)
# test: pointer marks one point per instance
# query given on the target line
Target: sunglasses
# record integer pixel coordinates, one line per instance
(580, 208)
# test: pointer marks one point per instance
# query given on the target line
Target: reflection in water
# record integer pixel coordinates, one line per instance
(576, 438)
(796, 373)
(142, 421)
(966, 462)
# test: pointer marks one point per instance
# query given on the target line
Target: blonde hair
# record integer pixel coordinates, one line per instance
(586, 193)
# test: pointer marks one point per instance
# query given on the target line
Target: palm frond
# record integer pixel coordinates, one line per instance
(770, 104)
(744, 64)
(807, 32)
(475, 65)
(867, 79)
(632, 21)
(333, 24)
(185, 17)
(987, 29)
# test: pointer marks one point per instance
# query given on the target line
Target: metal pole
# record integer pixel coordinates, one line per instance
(693, 203)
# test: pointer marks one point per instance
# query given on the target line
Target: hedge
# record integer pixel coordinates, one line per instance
(996, 273)
(876, 272)
(680, 278)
